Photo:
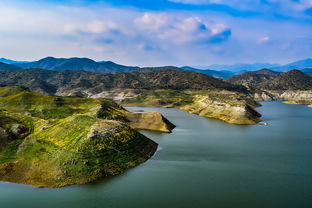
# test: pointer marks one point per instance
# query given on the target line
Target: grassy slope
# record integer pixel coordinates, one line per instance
(300, 102)
(71, 141)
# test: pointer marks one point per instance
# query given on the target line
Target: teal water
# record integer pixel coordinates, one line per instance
(203, 163)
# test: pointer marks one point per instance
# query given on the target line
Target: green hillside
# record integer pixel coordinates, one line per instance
(49, 141)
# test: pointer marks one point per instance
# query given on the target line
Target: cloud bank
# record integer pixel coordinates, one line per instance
(184, 32)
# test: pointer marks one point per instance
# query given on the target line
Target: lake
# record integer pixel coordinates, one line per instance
(203, 163)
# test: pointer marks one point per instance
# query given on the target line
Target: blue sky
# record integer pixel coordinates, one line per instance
(158, 32)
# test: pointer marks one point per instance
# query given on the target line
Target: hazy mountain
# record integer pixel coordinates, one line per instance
(160, 68)
(267, 72)
(239, 68)
(252, 79)
(4, 66)
(9, 61)
(86, 64)
(301, 64)
(242, 67)
(292, 80)
(307, 70)
(219, 74)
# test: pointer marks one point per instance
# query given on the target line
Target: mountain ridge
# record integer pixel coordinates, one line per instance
(60, 64)
(216, 70)
(71, 80)
(9, 61)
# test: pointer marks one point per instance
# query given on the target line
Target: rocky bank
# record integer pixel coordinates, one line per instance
(231, 107)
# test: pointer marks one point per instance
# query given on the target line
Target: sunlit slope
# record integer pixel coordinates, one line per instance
(49, 141)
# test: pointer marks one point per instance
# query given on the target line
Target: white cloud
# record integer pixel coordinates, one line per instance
(97, 26)
(93, 27)
(179, 29)
(152, 21)
(264, 39)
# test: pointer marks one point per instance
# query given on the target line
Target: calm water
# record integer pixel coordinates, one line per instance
(203, 163)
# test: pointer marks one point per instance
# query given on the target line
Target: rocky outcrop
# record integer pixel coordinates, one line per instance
(10, 132)
(228, 106)
(261, 95)
(302, 97)
(153, 121)
(5, 138)
(234, 114)
(296, 95)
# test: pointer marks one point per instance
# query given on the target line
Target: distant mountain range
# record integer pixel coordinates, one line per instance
(240, 68)
(302, 64)
(226, 71)
(219, 71)
(223, 74)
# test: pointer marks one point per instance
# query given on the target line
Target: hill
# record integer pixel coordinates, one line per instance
(292, 80)
(68, 82)
(254, 78)
(86, 64)
(88, 139)
(294, 85)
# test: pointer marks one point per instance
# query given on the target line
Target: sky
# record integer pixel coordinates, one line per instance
(158, 32)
